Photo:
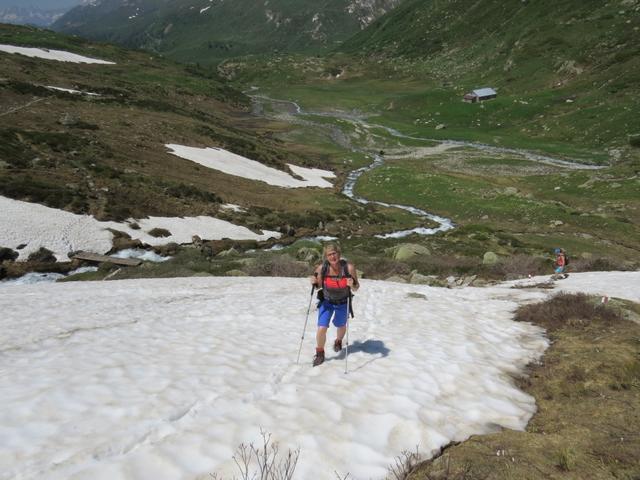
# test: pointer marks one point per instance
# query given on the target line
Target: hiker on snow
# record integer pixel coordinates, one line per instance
(335, 278)
(560, 264)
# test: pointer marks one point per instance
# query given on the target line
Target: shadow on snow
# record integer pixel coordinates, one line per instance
(371, 347)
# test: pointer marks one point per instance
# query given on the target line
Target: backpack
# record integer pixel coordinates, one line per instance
(344, 268)
(566, 259)
(344, 272)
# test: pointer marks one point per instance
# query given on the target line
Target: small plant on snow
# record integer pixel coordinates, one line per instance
(264, 462)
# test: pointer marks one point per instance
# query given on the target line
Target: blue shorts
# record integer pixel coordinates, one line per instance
(559, 269)
(327, 311)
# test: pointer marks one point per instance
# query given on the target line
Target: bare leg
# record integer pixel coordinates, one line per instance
(321, 337)
(340, 332)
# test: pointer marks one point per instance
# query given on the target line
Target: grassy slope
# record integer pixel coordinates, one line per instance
(537, 54)
(106, 156)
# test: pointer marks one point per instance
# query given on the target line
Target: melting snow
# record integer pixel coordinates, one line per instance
(48, 54)
(63, 232)
(232, 164)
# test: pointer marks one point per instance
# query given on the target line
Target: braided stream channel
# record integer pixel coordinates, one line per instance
(290, 111)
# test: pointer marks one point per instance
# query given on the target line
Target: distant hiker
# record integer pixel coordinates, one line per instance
(560, 264)
(335, 278)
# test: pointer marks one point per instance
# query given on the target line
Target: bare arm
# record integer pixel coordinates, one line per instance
(353, 281)
(315, 278)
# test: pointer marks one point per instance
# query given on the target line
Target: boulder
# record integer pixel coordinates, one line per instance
(406, 251)
(419, 279)
(396, 279)
(489, 258)
(236, 273)
(309, 254)
(123, 243)
(167, 250)
(232, 252)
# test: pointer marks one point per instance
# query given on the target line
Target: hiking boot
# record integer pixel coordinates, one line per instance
(337, 345)
(318, 359)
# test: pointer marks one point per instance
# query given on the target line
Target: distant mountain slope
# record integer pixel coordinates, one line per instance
(208, 30)
(518, 41)
(30, 15)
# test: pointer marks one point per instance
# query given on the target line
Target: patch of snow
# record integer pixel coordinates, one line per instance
(47, 54)
(231, 206)
(69, 90)
(232, 164)
(205, 9)
(63, 232)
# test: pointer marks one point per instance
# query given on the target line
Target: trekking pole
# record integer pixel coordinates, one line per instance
(346, 353)
(313, 287)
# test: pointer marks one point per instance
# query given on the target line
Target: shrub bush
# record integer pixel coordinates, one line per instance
(519, 266)
(278, 266)
(555, 312)
(159, 232)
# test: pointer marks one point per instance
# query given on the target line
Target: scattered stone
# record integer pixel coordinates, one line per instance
(396, 279)
(68, 120)
(232, 252)
(168, 250)
(236, 273)
(417, 295)
(467, 281)
(441, 126)
(406, 251)
(419, 279)
(308, 254)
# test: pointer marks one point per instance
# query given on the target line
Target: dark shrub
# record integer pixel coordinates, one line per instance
(634, 140)
(519, 266)
(159, 232)
(555, 312)
(279, 266)
(597, 264)
(43, 255)
(8, 254)
(381, 268)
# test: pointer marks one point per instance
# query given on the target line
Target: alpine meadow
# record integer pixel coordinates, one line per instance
(172, 173)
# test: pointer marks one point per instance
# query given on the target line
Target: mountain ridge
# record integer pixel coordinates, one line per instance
(206, 31)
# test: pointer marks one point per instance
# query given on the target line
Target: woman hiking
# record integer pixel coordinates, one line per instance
(560, 264)
(335, 278)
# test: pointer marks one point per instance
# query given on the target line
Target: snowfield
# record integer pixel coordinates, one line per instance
(233, 164)
(49, 54)
(164, 378)
(32, 226)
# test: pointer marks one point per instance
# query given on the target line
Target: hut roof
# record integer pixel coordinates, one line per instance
(484, 92)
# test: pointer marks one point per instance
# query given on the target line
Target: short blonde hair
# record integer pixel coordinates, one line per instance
(331, 247)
